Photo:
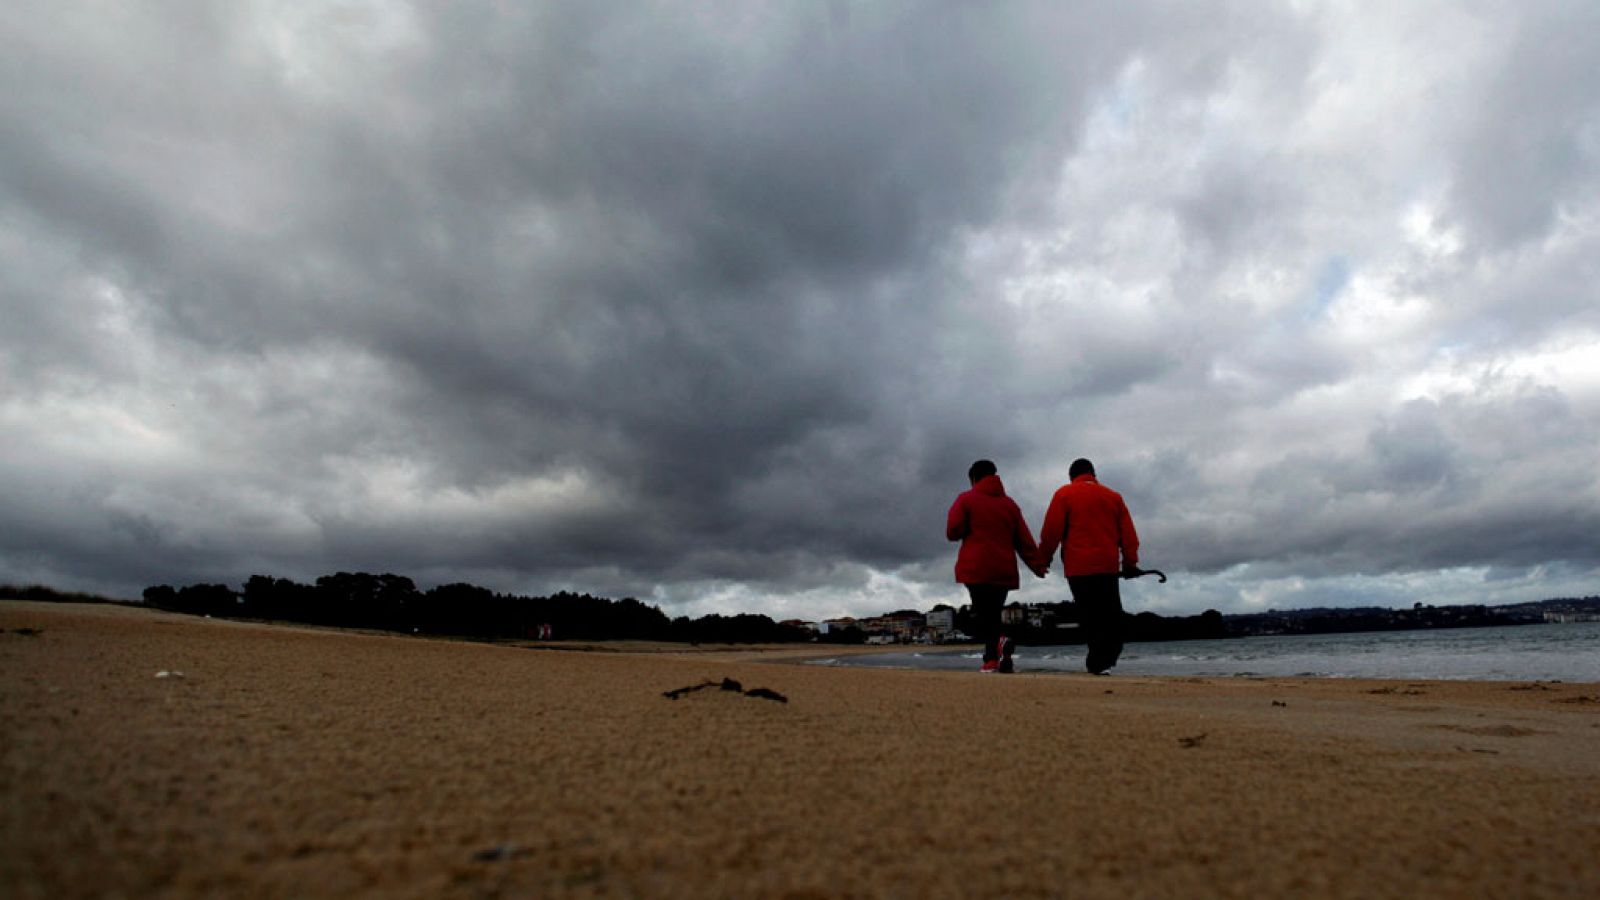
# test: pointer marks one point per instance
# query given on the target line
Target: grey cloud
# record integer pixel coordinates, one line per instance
(1534, 143)
(1465, 482)
(659, 300)
(1412, 452)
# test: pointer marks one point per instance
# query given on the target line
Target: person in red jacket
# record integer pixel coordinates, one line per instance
(1092, 525)
(993, 535)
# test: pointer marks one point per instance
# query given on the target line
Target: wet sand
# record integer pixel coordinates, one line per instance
(297, 762)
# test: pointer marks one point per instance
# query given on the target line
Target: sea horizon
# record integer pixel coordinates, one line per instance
(1567, 652)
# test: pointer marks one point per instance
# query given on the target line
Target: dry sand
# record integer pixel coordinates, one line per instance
(292, 762)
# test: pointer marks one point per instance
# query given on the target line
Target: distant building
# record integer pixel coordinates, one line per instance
(1565, 618)
(831, 625)
(900, 626)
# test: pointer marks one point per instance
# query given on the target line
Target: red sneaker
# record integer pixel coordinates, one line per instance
(990, 665)
(1005, 665)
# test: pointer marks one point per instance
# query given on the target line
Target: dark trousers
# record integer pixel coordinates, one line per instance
(987, 601)
(1099, 602)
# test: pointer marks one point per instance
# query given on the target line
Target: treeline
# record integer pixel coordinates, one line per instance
(392, 603)
(41, 594)
(1147, 626)
(1350, 620)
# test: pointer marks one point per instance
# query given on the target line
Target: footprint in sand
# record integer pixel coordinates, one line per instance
(1492, 730)
(1581, 698)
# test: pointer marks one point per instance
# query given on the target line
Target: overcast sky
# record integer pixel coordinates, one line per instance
(712, 304)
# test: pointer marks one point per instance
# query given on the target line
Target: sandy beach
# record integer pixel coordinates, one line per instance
(280, 761)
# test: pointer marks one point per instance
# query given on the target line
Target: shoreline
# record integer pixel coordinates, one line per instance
(276, 761)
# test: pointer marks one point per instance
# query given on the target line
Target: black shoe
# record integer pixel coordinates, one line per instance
(1006, 666)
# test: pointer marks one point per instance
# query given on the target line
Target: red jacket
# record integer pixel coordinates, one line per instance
(992, 533)
(1092, 525)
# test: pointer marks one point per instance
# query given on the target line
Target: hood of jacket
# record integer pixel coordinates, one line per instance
(990, 485)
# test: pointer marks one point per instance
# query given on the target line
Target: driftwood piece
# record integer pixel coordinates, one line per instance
(726, 684)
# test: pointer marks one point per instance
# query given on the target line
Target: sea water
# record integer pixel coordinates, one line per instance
(1548, 652)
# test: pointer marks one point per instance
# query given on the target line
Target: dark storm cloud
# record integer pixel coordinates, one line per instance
(747, 311)
(683, 258)
(689, 300)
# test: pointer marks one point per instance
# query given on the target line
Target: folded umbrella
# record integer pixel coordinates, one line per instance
(1136, 572)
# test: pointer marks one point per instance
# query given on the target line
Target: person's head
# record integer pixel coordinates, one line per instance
(980, 470)
(1080, 467)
